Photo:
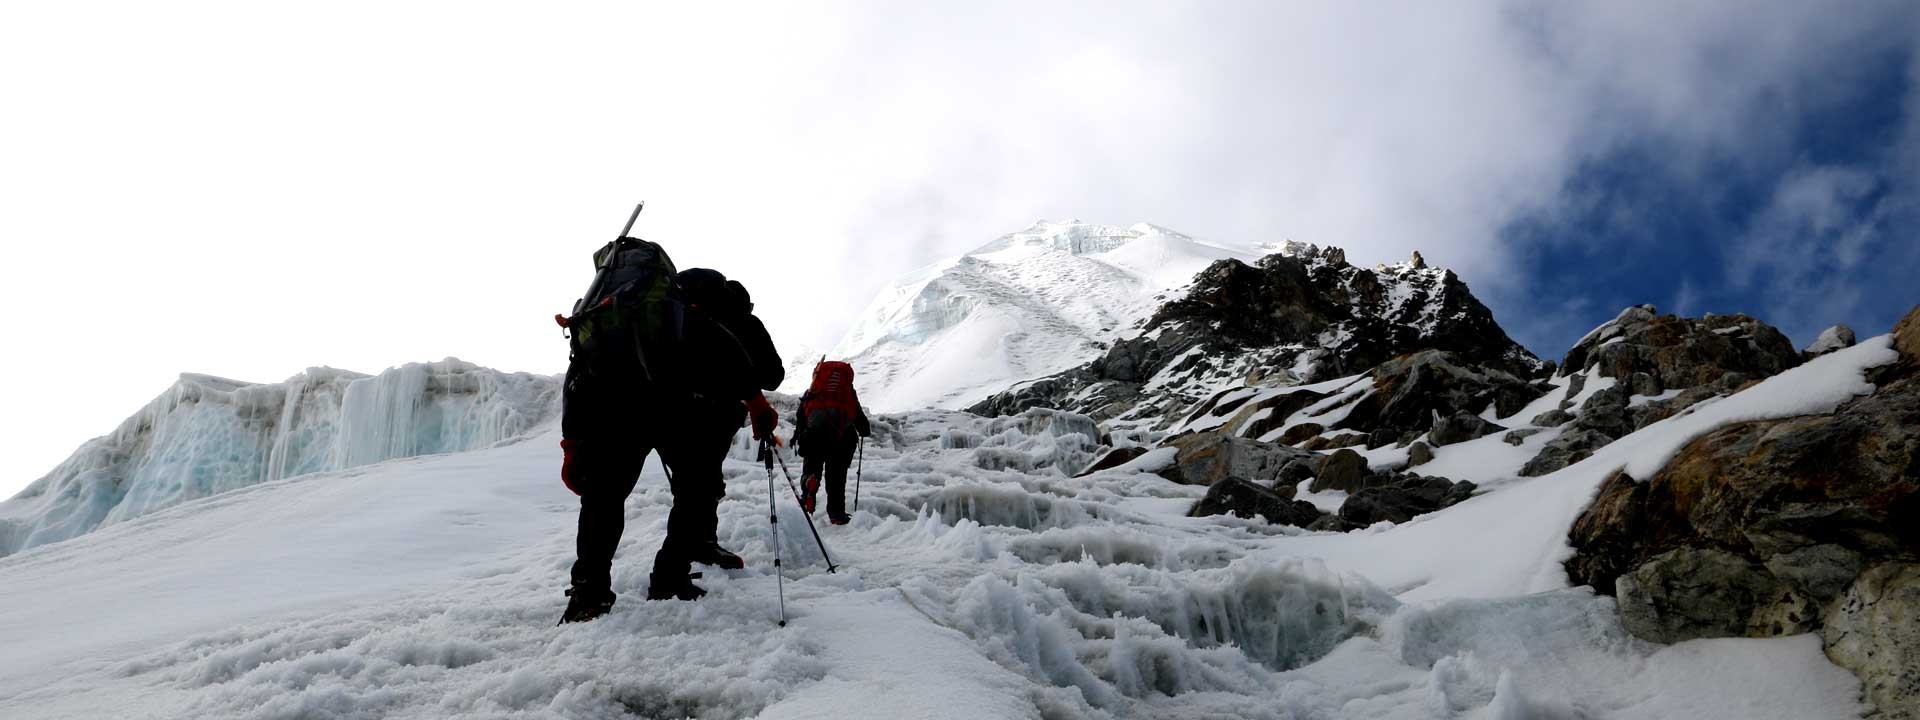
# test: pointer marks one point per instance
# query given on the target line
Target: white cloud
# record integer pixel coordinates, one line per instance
(249, 189)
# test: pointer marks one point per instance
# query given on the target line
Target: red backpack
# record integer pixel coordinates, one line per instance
(830, 402)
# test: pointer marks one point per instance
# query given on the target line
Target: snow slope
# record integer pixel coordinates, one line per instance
(208, 435)
(1028, 304)
(978, 580)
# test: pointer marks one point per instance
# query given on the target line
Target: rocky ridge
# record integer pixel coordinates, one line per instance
(1299, 316)
(1299, 381)
(1779, 527)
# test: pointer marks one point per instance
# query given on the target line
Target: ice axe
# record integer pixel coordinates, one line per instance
(631, 218)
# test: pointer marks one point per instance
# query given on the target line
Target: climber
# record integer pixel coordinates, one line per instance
(824, 433)
(667, 361)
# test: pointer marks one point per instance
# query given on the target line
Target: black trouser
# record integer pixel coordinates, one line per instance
(834, 456)
(692, 445)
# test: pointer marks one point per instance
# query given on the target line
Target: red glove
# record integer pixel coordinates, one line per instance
(566, 465)
(763, 417)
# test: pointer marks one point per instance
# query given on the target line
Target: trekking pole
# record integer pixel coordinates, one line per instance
(858, 470)
(808, 516)
(773, 521)
(631, 218)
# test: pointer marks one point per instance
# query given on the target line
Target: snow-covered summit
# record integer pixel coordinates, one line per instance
(207, 435)
(1027, 304)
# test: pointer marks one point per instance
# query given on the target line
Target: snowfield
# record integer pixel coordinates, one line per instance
(978, 580)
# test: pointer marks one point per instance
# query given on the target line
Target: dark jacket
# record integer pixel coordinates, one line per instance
(727, 303)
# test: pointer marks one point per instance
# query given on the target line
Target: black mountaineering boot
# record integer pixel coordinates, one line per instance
(673, 587)
(713, 554)
(586, 603)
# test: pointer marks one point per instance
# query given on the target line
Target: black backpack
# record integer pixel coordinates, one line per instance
(632, 320)
(635, 331)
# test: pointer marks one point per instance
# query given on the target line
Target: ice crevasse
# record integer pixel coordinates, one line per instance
(206, 435)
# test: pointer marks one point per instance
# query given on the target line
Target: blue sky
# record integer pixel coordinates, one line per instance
(1806, 219)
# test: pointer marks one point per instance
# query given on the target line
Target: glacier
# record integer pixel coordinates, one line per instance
(207, 435)
(1027, 304)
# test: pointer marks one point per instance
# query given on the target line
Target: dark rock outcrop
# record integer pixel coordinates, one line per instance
(1419, 454)
(1460, 427)
(1552, 418)
(1801, 524)
(1401, 497)
(1681, 352)
(1516, 437)
(1207, 458)
(1301, 433)
(1648, 354)
(1690, 592)
(1768, 488)
(1571, 447)
(1409, 392)
(1344, 470)
(1247, 499)
(1112, 459)
(1293, 473)
(1305, 309)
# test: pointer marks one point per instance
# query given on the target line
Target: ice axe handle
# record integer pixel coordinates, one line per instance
(631, 218)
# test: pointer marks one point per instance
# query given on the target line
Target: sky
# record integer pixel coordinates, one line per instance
(250, 189)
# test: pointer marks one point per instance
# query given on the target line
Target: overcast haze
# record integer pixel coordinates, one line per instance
(248, 189)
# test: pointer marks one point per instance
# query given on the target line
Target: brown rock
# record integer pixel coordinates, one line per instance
(1906, 335)
(1343, 470)
(1207, 458)
(1419, 454)
(1301, 433)
(1763, 528)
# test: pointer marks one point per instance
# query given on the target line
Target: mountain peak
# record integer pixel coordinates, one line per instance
(1071, 236)
(1027, 304)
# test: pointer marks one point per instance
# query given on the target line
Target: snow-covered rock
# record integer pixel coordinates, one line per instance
(1028, 304)
(207, 435)
(1299, 316)
(1838, 337)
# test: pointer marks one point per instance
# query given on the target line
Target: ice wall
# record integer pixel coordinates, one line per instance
(208, 435)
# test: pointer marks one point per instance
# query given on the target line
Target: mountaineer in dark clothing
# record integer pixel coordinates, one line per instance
(826, 431)
(661, 361)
